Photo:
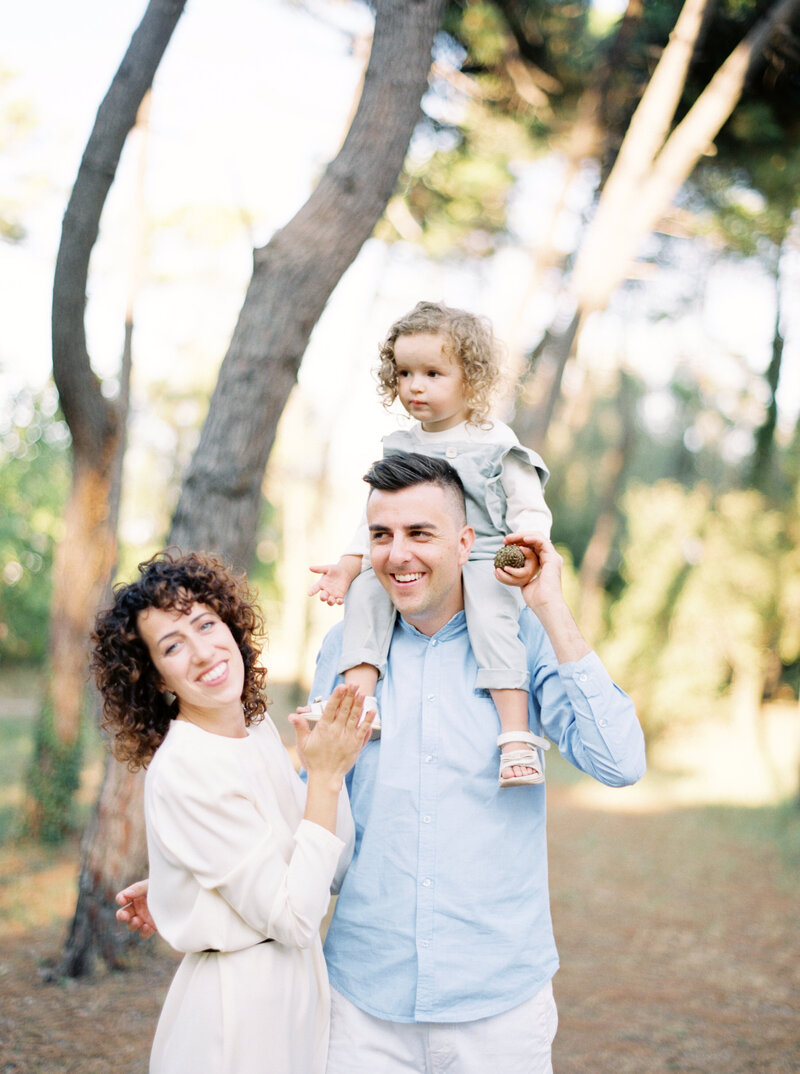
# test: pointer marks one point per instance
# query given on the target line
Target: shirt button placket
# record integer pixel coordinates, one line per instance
(426, 876)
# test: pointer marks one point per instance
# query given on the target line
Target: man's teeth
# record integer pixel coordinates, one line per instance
(407, 577)
(214, 674)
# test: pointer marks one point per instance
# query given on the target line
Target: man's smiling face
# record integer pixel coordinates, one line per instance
(418, 544)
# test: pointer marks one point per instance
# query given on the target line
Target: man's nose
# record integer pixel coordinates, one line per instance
(399, 551)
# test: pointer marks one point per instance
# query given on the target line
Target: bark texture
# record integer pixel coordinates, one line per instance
(293, 277)
(87, 552)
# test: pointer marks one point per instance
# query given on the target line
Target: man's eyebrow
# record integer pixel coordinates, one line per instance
(376, 527)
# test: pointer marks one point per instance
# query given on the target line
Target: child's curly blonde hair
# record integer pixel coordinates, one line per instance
(470, 342)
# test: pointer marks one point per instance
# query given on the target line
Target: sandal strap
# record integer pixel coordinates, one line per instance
(528, 758)
(523, 736)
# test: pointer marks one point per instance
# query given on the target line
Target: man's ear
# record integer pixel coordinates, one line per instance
(466, 539)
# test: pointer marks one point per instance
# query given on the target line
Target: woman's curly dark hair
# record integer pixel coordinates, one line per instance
(135, 712)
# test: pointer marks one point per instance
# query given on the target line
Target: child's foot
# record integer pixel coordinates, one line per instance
(520, 761)
(370, 705)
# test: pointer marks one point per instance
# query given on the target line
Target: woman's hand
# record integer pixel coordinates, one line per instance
(330, 751)
(133, 909)
(332, 747)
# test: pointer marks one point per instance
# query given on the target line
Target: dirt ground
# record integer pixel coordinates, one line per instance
(678, 931)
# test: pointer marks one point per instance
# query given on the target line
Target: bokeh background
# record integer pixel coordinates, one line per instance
(664, 395)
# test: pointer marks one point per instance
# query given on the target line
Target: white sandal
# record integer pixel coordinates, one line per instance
(370, 705)
(529, 758)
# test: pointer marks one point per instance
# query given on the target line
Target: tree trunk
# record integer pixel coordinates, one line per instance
(113, 849)
(293, 277)
(761, 465)
(611, 477)
(650, 168)
(87, 550)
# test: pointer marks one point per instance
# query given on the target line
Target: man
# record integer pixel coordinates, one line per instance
(441, 951)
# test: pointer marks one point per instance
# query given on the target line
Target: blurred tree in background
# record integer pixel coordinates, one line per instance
(34, 473)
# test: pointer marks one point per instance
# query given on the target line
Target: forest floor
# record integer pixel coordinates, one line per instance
(677, 921)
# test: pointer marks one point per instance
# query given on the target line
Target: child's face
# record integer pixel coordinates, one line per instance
(430, 384)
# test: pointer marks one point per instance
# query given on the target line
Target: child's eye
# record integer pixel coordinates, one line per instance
(402, 373)
(433, 373)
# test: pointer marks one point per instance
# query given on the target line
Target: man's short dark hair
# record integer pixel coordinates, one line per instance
(405, 469)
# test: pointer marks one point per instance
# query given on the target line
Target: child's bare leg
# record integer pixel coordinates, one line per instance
(364, 676)
(512, 707)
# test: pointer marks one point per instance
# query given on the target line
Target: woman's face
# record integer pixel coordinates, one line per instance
(196, 657)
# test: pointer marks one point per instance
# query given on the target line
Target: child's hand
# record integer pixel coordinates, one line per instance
(333, 584)
(520, 576)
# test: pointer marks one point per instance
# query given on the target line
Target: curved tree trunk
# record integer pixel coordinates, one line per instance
(653, 162)
(293, 277)
(87, 551)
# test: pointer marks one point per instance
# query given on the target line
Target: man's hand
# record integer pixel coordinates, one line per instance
(520, 576)
(134, 911)
(540, 582)
(336, 578)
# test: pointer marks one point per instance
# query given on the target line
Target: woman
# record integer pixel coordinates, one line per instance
(242, 854)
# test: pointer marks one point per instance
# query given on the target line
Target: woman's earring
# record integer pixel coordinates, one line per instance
(169, 697)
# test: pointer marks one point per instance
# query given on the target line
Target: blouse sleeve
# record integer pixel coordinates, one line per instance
(526, 509)
(277, 882)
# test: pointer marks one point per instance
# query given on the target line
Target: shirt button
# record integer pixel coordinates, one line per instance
(425, 943)
(428, 759)
(426, 883)
(433, 642)
(451, 453)
(426, 820)
(602, 723)
(583, 678)
(431, 697)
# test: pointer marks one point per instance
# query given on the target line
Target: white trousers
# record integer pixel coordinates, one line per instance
(518, 1041)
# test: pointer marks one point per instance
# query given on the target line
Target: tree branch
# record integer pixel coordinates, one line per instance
(88, 414)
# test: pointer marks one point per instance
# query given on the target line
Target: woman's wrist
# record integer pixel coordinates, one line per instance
(325, 781)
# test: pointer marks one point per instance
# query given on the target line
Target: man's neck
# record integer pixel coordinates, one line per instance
(429, 627)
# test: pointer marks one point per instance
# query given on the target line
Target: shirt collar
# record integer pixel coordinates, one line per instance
(457, 625)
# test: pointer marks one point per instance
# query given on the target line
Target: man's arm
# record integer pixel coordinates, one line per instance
(593, 722)
(540, 582)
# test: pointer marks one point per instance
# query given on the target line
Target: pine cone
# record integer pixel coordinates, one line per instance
(510, 555)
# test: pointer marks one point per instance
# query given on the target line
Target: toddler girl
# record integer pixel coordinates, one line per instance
(443, 364)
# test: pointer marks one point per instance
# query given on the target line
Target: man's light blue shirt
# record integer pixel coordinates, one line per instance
(444, 914)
